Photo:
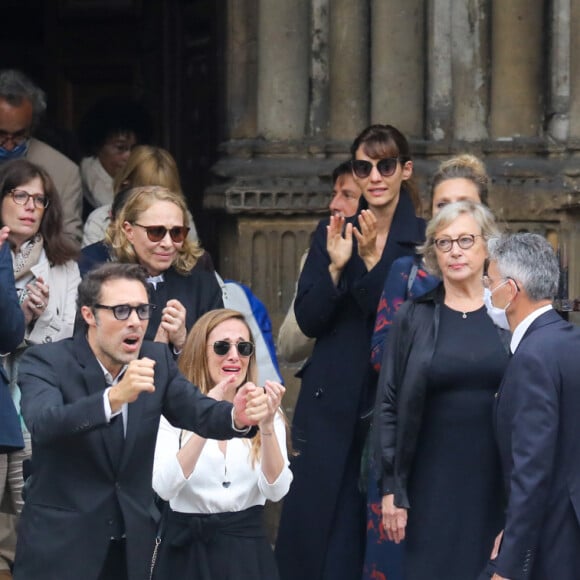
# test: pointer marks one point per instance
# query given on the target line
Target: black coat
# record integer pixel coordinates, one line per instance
(75, 490)
(338, 387)
(11, 335)
(402, 388)
(198, 290)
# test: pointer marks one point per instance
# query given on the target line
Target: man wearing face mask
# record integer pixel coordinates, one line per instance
(293, 345)
(22, 104)
(536, 417)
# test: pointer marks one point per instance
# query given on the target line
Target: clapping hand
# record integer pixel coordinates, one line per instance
(338, 246)
(172, 327)
(36, 299)
(250, 405)
(366, 238)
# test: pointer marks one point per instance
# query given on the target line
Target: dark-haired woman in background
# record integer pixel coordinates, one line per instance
(321, 534)
(45, 272)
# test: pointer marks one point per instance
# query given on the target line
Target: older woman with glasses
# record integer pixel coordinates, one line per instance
(151, 229)
(46, 276)
(217, 489)
(440, 476)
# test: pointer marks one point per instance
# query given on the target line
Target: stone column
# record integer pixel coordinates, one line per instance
(469, 24)
(517, 57)
(283, 67)
(439, 65)
(240, 69)
(559, 97)
(397, 70)
(319, 83)
(575, 70)
(349, 69)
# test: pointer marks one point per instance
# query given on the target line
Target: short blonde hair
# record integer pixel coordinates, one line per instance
(480, 213)
(141, 199)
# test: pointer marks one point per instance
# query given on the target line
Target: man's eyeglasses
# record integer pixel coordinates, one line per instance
(488, 282)
(386, 167)
(123, 311)
(157, 233)
(17, 138)
(464, 242)
(244, 347)
(21, 197)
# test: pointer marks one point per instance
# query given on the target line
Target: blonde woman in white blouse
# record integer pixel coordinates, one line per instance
(217, 489)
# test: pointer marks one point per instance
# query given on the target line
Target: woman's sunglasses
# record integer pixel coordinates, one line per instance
(363, 168)
(244, 347)
(157, 233)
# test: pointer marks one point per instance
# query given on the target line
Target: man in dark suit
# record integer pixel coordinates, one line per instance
(537, 416)
(92, 404)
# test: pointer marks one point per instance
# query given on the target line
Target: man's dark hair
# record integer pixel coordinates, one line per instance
(345, 168)
(89, 292)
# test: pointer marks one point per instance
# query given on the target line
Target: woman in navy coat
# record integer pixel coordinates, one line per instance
(11, 335)
(321, 534)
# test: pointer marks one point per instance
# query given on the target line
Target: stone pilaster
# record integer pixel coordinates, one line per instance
(518, 48)
(397, 64)
(283, 68)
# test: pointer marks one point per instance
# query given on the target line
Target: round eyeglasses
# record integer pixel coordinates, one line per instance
(21, 197)
(464, 242)
(386, 167)
(123, 311)
(244, 347)
(157, 233)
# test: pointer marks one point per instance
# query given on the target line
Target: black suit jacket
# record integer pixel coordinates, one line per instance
(538, 432)
(77, 494)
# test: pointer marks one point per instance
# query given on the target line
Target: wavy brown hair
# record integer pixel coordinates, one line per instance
(58, 247)
(139, 200)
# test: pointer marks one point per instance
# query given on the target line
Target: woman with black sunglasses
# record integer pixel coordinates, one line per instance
(321, 533)
(151, 229)
(217, 489)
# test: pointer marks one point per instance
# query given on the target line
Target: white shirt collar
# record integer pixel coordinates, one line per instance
(154, 280)
(523, 326)
(109, 377)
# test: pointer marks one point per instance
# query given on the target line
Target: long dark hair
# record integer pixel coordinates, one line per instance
(13, 174)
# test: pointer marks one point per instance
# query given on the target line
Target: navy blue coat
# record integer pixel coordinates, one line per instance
(538, 431)
(338, 388)
(11, 335)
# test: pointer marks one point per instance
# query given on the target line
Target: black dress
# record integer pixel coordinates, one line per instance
(455, 488)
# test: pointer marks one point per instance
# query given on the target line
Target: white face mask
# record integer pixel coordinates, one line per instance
(497, 315)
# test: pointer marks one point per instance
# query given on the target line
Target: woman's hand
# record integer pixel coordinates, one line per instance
(172, 325)
(36, 301)
(275, 392)
(224, 390)
(394, 519)
(250, 405)
(339, 247)
(366, 238)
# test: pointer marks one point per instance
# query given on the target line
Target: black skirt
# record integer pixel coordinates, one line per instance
(224, 546)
